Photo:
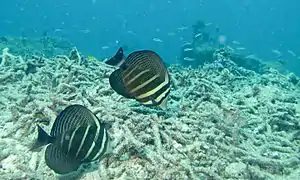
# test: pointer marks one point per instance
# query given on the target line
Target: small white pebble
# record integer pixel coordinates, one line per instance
(235, 169)
(176, 145)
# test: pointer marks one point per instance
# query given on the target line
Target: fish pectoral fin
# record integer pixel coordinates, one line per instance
(116, 82)
(59, 162)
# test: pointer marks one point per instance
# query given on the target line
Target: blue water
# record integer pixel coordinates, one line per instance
(259, 25)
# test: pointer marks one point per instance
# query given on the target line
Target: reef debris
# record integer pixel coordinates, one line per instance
(223, 122)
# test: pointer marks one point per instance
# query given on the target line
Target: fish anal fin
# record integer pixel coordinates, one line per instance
(59, 162)
(163, 104)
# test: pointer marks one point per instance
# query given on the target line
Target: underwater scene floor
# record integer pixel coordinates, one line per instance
(220, 123)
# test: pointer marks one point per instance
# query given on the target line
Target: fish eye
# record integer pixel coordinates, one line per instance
(67, 137)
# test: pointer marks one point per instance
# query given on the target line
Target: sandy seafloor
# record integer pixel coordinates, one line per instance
(221, 123)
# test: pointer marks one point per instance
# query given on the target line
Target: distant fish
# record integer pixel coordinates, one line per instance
(251, 56)
(240, 48)
(186, 44)
(131, 32)
(57, 30)
(171, 34)
(292, 53)
(157, 40)
(188, 49)
(276, 52)
(236, 42)
(77, 136)
(208, 24)
(182, 28)
(298, 57)
(188, 59)
(198, 35)
(85, 31)
(141, 76)
(105, 47)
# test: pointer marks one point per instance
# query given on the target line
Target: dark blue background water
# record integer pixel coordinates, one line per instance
(260, 25)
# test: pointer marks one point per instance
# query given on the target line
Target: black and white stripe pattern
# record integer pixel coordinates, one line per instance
(80, 135)
(146, 78)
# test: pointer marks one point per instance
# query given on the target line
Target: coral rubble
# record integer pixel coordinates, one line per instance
(223, 122)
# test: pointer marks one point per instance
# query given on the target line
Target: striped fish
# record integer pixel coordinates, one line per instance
(77, 136)
(142, 76)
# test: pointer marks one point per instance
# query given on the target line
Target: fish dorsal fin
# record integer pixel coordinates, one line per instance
(139, 56)
(117, 59)
(117, 84)
(146, 59)
(72, 117)
(59, 162)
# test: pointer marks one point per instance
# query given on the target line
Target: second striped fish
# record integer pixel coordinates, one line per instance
(77, 136)
(142, 76)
